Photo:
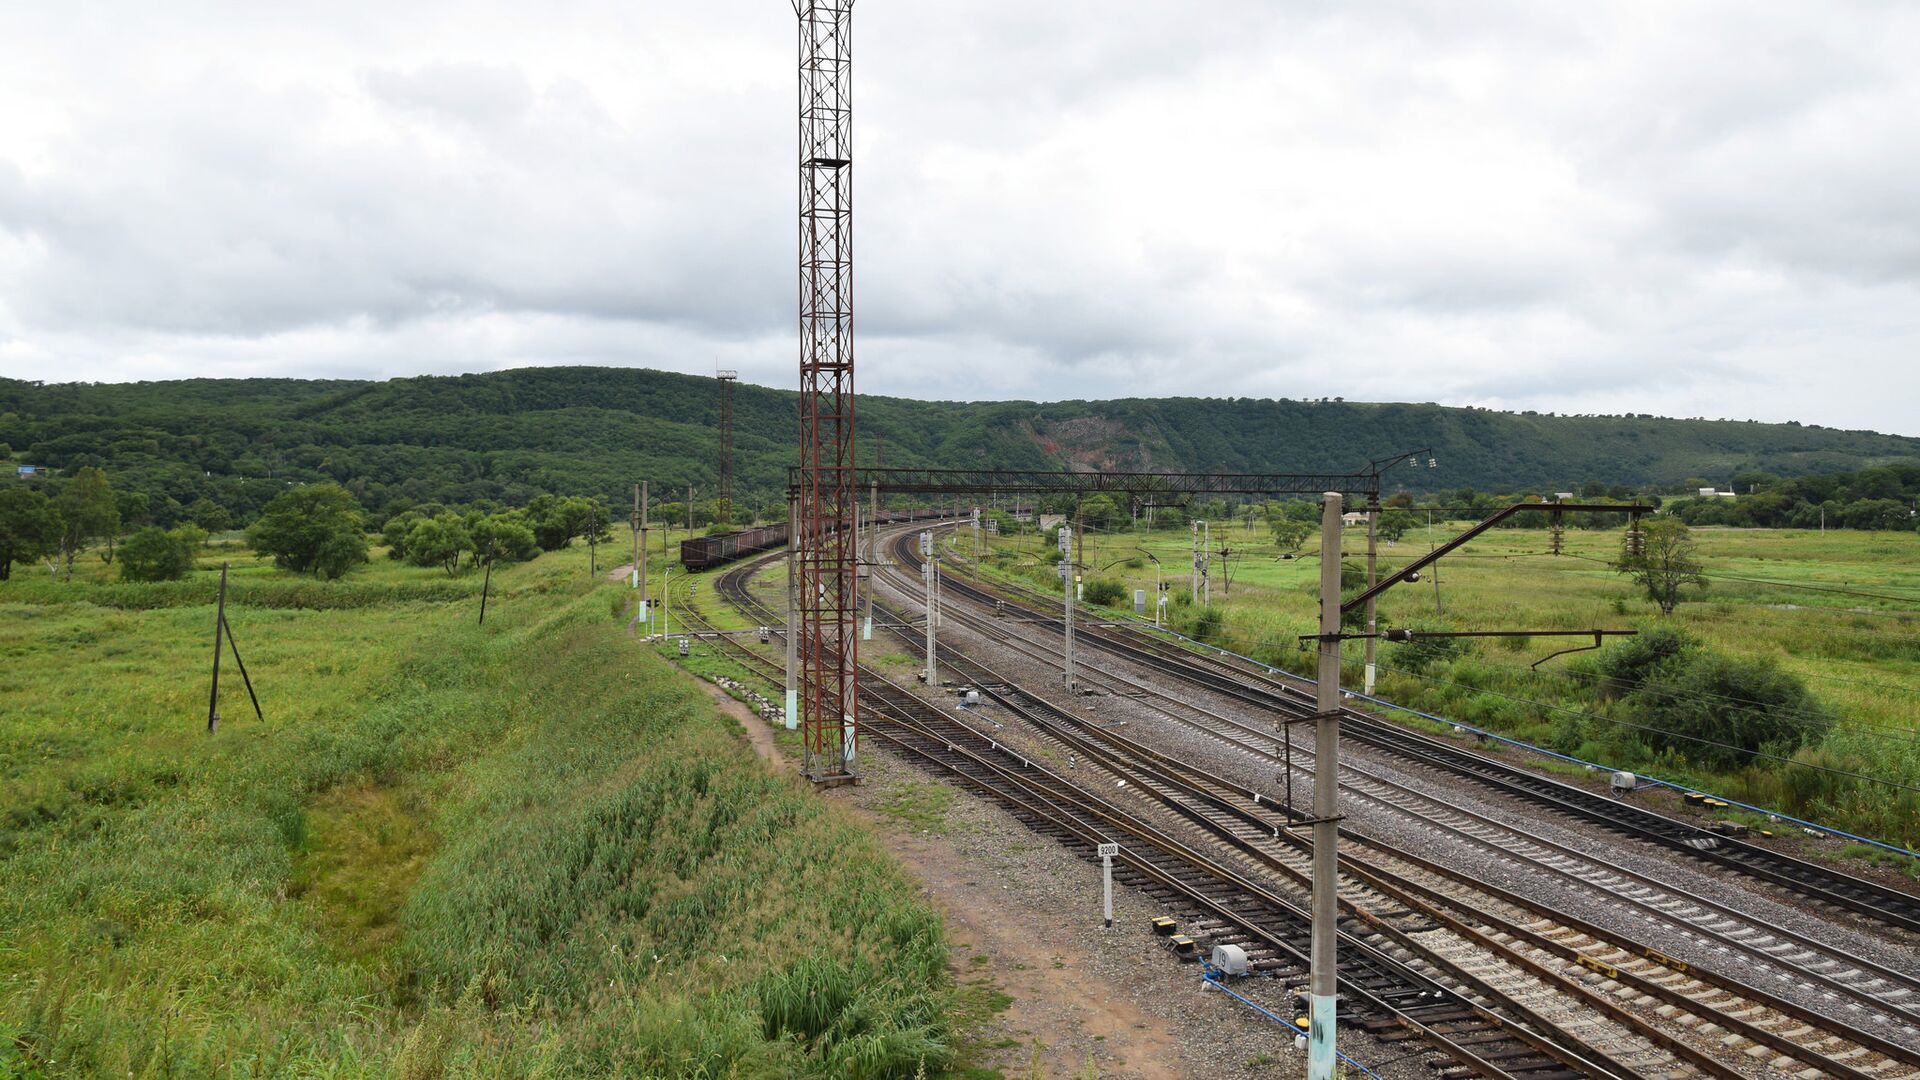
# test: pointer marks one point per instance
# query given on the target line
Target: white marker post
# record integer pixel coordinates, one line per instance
(1107, 852)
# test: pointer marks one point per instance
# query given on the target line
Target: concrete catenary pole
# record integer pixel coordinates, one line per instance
(645, 584)
(1066, 595)
(873, 552)
(927, 573)
(1323, 985)
(1193, 590)
(1373, 548)
(793, 626)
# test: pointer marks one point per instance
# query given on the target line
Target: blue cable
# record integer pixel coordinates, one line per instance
(1211, 977)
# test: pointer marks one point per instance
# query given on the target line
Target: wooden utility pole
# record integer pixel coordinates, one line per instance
(219, 628)
(486, 583)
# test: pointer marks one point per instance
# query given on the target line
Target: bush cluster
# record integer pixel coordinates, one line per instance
(156, 554)
(450, 539)
(1705, 708)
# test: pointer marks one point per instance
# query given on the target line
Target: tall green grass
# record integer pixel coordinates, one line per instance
(526, 849)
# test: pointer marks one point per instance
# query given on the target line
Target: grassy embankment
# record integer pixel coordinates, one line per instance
(1860, 654)
(528, 848)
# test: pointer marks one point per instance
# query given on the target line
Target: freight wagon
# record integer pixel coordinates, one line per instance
(707, 552)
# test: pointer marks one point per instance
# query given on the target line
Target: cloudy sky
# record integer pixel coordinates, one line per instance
(1680, 208)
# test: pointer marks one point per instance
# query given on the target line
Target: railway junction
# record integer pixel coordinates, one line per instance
(1492, 922)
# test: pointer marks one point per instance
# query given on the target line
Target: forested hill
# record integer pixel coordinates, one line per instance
(508, 435)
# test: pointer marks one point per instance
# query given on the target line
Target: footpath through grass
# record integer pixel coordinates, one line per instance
(526, 849)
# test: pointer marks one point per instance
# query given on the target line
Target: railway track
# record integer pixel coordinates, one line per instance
(1554, 974)
(1845, 979)
(1682, 998)
(1263, 688)
(1484, 1032)
(1524, 932)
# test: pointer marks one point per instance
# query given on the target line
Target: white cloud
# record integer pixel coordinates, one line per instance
(1685, 209)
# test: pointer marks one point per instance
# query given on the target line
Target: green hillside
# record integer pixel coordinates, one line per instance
(509, 435)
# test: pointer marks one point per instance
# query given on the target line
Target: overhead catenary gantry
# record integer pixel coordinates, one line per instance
(1063, 482)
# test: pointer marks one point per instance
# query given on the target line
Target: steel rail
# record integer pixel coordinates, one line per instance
(1261, 689)
(1900, 984)
(907, 711)
(1249, 807)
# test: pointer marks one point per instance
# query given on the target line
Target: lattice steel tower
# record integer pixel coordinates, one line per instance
(823, 532)
(727, 379)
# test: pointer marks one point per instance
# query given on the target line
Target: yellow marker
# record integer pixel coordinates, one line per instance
(1664, 960)
(1599, 967)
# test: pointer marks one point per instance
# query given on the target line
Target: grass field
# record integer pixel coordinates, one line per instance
(529, 848)
(1840, 609)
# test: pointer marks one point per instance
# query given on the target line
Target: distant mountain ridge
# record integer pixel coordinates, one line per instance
(508, 435)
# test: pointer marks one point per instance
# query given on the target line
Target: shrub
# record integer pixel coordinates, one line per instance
(154, 554)
(1650, 653)
(1204, 622)
(1424, 652)
(1106, 591)
(1716, 711)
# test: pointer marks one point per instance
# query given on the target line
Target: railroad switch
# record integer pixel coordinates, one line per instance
(1183, 946)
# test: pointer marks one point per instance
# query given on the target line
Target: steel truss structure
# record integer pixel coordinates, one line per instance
(1042, 482)
(727, 379)
(824, 481)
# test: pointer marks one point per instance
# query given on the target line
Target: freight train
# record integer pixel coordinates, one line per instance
(707, 552)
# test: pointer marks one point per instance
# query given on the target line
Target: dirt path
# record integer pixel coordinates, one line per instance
(620, 573)
(759, 735)
(1023, 917)
(1034, 950)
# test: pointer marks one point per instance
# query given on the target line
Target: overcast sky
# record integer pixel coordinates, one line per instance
(1678, 208)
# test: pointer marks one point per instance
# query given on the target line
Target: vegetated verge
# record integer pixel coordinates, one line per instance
(536, 849)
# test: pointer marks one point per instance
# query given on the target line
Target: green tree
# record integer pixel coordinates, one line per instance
(394, 533)
(556, 521)
(156, 554)
(1391, 526)
(131, 513)
(209, 515)
(1666, 563)
(315, 528)
(1289, 533)
(88, 510)
(497, 538)
(439, 541)
(1098, 511)
(29, 528)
